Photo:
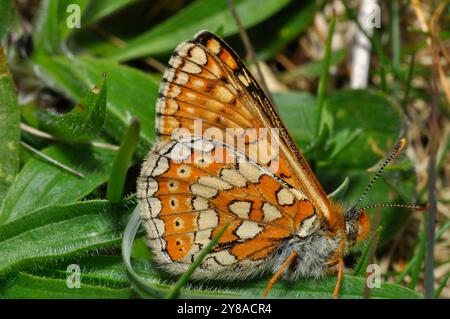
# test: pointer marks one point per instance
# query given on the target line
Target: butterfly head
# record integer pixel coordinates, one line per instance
(357, 226)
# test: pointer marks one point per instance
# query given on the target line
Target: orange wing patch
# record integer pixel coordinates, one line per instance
(190, 201)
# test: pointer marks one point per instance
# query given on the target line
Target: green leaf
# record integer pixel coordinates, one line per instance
(82, 123)
(5, 12)
(109, 271)
(299, 111)
(47, 37)
(323, 81)
(364, 259)
(339, 192)
(131, 93)
(202, 14)
(378, 118)
(373, 122)
(364, 127)
(97, 270)
(155, 284)
(122, 162)
(144, 288)
(56, 19)
(26, 286)
(283, 28)
(41, 184)
(99, 9)
(90, 12)
(9, 128)
(57, 232)
(442, 285)
(70, 16)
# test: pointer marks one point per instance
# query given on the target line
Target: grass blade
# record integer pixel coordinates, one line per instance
(417, 268)
(323, 81)
(173, 293)
(363, 261)
(122, 162)
(341, 190)
(9, 127)
(144, 288)
(442, 286)
(5, 11)
(51, 160)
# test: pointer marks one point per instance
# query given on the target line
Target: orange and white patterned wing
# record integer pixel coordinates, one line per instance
(185, 201)
(206, 80)
(186, 197)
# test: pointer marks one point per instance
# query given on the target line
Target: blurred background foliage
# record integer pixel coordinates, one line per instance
(68, 96)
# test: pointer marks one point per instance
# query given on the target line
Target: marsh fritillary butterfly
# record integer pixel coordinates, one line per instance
(198, 177)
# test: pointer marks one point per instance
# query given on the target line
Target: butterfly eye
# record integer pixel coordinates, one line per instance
(357, 226)
(364, 226)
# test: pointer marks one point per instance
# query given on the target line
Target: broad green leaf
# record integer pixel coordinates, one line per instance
(131, 93)
(109, 271)
(58, 232)
(9, 128)
(202, 14)
(5, 11)
(41, 184)
(378, 118)
(98, 270)
(298, 111)
(82, 123)
(26, 286)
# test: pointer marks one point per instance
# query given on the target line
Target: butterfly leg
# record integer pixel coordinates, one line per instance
(285, 264)
(340, 274)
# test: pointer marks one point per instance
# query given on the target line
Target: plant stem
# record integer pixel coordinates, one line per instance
(432, 196)
(323, 81)
(51, 160)
(396, 47)
(408, 81)
(248, 47)
(417, 267)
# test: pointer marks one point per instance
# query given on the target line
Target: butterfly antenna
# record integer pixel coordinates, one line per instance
(410, 206)
(397, 149)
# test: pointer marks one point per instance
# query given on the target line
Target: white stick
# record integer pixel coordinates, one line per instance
(369, 17)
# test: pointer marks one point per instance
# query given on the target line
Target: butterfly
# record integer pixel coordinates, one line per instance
(207, 170)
